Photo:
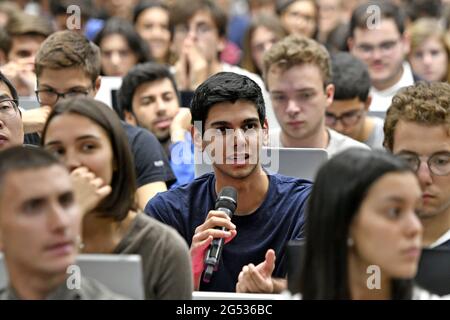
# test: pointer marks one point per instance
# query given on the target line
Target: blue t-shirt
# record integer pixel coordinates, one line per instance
(280, 218)
(182, 161)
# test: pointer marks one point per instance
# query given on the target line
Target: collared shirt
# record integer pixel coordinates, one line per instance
(89, 290)
(443, 241)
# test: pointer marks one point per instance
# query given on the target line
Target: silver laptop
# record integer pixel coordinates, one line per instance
(379, 114)
(210, 295)
(3, 273)
(294, 162)
(28, 103)
(122, 274)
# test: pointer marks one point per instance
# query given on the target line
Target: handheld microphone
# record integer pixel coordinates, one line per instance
(226, 202)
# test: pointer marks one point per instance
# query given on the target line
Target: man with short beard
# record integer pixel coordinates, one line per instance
(229, 120)
(149, 98)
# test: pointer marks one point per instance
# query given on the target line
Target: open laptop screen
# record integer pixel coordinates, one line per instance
(121, 273)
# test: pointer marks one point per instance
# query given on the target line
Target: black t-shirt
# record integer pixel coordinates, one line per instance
(150, 161)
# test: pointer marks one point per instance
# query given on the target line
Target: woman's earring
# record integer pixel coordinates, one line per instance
(80, 243)
(350, 242)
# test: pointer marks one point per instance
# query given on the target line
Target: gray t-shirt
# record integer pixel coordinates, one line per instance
(375, 140)
(89, 289)
(165, 257)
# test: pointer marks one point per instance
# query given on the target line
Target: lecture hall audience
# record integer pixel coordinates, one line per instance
(154, 62)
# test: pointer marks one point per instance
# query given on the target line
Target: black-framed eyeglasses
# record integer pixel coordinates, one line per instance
(50, 96)
(349, 118)
(438, 163)
(9, 108)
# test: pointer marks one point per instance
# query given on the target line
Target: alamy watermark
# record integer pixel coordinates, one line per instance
(374, 280)
(73, 281)
(374, 17)
(73, 21)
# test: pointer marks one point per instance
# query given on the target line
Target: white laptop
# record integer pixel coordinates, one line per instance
(210, 295)
(122, 274)
(295, 162)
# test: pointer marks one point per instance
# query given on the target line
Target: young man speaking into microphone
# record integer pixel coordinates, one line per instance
(228, 114)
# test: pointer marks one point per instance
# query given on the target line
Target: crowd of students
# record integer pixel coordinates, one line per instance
(226, 78)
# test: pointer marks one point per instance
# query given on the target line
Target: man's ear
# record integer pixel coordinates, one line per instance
(197, 138)
(406, 43)
(265, 133)
(129, 118)
(329, 92)
(97, 84)
(367, 103)
(222, 44)
(350, 44)
(3, 58)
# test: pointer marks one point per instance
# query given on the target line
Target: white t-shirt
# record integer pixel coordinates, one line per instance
(381, 100)
(337, 142)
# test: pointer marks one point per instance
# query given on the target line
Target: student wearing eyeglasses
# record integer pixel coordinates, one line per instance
(417, 129)
(347, 113)
(68, 66)
(11, 128)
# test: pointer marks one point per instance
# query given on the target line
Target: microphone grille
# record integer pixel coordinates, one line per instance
(227, 198)
(228, 192)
